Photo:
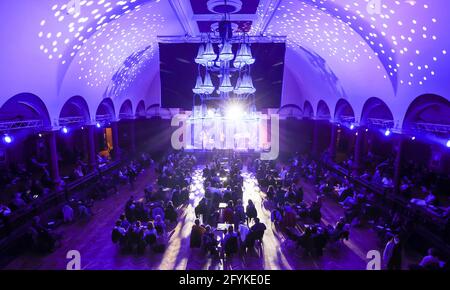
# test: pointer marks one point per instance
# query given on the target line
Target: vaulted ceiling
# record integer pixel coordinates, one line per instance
(336, 49)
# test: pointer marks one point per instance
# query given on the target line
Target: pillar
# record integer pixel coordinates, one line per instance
(398, 163)
(358, 151)
(132, 134)
(332, 148)
(115, 135)
(54, 166)
(91, 146)
(315, 144)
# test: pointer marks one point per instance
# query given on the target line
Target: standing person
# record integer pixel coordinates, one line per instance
(250, 211)
(392, 255)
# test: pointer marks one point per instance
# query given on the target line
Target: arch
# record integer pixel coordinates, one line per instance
(140, 109)
(74, 110)
(323, 111)
(126, 110)
(25, 106)
(106, 109)
(290, 111)
(343, 110)
(308, 111)
(155, 111)
(375, 108)
(428, 108)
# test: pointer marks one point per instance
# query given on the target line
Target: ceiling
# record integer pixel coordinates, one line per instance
(57, 49)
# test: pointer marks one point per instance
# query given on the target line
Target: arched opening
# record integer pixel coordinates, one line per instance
(344, 111)
(290, 111)
(105, 111)
(22, 118)
(25, 107)
(427, 109)
(323, 112)
(376, 112)
(104, 137)
(140, 109)
(75, 111)
(71, 141)
(126, 110)
(377, 118)
(427, 122)
(308, 111)
(345, 115)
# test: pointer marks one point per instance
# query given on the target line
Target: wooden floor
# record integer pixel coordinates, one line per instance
(93, 240)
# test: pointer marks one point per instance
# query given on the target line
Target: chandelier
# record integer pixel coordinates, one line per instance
(226, 65)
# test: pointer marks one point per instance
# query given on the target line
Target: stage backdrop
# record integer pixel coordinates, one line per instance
(179, 72)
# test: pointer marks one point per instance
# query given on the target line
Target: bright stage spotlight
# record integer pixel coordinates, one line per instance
(98, 125)
(234, 112)
(65, 130)
(387, 133)
(448, 144)
(7, 139)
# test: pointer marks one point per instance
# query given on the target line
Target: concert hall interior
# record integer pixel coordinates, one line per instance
(224, 135)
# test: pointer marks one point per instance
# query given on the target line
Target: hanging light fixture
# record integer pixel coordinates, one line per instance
(209, 54)
(225, 85)
(198, 86)
(208, 87)
(199, 58)
(226, 53)
(249, 59)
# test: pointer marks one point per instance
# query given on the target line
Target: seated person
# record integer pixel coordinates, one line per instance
(256, 233)
(290, 217)
(170, 213)
(18, 201)
(67, 212)
(197, 232)
(124, 222)
(158, 211)
(431, 261)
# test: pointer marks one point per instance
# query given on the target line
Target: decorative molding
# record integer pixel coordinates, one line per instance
(184, 13)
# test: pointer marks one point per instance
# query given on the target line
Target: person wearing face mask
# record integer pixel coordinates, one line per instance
(392, 255)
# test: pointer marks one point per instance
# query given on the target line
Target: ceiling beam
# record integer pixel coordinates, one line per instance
(184, 13)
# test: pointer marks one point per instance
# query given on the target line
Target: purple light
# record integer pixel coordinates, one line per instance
(387, 133)
(448, 144)
(98, 125)
(413, 138)
(352, 127)
(65, 130)
(7, 139)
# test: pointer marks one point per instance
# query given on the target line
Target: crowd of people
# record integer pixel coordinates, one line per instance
(145, 221)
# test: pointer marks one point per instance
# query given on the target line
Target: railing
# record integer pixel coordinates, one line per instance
(433, 128)
(22, 124)
(21, 219)
(72, 120)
